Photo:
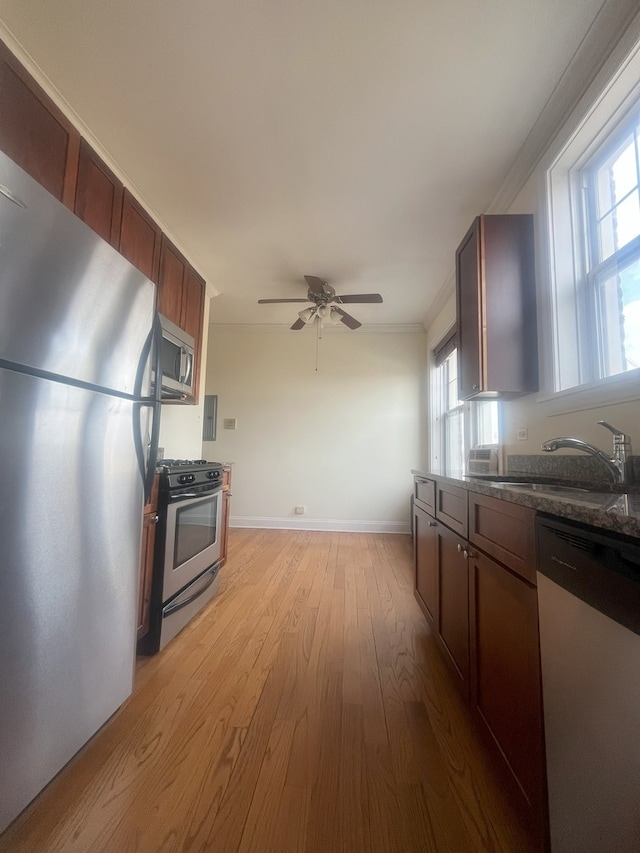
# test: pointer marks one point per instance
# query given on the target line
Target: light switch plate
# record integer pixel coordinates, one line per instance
(230, 423)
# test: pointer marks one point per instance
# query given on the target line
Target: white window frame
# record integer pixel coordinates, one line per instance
(567, 380)
(441, 415)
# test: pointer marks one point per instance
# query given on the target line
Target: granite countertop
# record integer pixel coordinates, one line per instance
(609, 510)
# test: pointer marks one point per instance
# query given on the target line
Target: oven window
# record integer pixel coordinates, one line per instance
(196, 529)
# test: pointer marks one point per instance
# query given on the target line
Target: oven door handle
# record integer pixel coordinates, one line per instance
(178, 605)
(184, 496)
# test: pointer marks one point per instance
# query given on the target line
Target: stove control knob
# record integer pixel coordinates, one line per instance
(192, 478)
(213, 475)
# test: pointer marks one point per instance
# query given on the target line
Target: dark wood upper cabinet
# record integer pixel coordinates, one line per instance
(496, 308)
(181, 299)
(192, 317)
(171, 282)
(98, 196)
(41, 140)
(35, 133)
(139, 237)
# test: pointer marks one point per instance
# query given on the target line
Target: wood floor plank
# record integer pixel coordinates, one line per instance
(306, 709)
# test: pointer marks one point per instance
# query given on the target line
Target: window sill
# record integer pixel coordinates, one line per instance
(623, 388)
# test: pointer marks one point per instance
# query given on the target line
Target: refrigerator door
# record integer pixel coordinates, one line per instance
(70, 539)
(70, 305)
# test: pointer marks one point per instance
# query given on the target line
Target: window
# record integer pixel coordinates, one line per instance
(593, 207)
(456, 425)
(611, 181)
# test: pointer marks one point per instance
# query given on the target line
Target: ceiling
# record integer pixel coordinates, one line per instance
(354, 140)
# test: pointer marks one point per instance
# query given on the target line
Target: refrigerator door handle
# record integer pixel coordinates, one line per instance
(151, 346)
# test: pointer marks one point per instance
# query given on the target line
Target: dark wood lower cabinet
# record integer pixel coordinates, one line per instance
(505, 667)
(226, 506)
(453, 604)
(484, 611)
(146, 571)
(149, 521)
(426, 561)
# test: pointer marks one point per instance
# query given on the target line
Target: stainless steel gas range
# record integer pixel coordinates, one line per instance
(187, 547)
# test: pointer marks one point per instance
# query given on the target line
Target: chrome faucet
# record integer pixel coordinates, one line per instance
(617, 464)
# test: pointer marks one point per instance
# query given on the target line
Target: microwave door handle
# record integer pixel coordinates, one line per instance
(177, 364)
(188, 367)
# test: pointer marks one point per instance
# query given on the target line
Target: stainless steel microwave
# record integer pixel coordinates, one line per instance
(177, 350)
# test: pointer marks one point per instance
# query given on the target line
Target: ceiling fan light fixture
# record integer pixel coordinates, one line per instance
(307, 314)
(334, 317)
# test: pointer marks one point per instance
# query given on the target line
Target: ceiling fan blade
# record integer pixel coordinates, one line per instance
(265, 301)
(347, 319)
(316, 284)
(360, 297)
(299, 324)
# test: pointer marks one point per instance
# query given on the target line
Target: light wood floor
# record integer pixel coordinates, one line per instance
(307, 709)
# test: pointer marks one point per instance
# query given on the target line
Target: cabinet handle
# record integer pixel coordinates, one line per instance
(433, 524)
(155, 519)
(475, 387)
(459, 548)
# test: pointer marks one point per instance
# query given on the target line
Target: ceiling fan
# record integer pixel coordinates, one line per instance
(326, 304)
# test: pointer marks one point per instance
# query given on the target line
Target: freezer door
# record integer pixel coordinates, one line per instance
(70, 538)
(69, 303)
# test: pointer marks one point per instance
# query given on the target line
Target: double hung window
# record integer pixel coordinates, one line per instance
(456, 426)
(593, 207)
(611, 182)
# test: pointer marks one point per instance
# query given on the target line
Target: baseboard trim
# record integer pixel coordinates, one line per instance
(328, 524)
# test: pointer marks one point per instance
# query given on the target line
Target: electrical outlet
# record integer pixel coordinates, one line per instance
(522, 434)
(300, 510)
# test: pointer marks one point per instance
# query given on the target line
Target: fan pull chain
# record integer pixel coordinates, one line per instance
(318, 336)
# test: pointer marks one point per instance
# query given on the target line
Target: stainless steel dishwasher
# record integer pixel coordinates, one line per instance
(589, 611)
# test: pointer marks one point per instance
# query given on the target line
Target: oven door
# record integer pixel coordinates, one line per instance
(193, 536)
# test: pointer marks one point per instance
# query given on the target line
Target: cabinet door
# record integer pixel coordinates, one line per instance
(35, 133)
(426, 562)
(98, 196)
(192, 319)
(226, 506)
(496, 308)
(173, 271)
(468, 288)
(146, 571)
(505, 682)
(139, 237)
(453, 603)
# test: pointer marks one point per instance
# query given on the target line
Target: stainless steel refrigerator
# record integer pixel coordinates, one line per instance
(78, 433)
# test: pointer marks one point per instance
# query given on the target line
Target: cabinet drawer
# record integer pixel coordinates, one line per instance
(451, 507)
(425, 492)
(505, 531)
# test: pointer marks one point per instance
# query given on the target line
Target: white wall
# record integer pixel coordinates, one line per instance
(340, 441)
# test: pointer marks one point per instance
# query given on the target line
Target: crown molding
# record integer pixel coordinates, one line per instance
(612, 35)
